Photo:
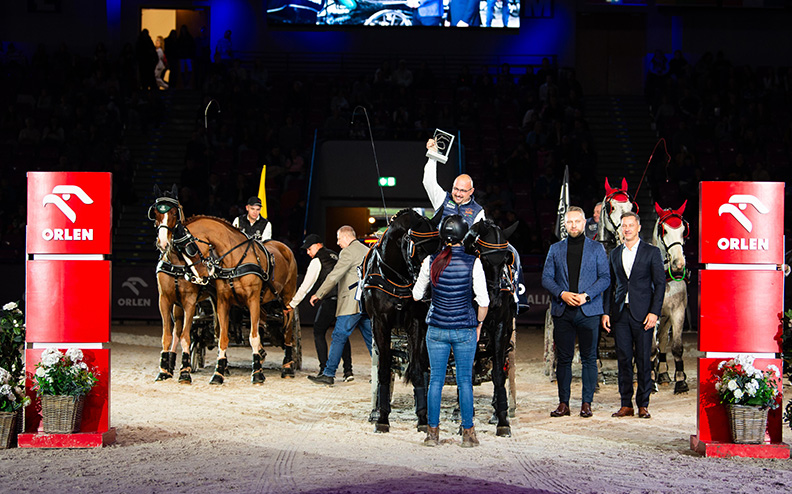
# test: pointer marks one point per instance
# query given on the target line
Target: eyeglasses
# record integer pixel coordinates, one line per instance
(464, 191)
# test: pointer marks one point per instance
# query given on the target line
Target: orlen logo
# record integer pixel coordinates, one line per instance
(60, 194)
(735, 207)
(132, 284)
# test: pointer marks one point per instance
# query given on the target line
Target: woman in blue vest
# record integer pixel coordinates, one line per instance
(453, 323)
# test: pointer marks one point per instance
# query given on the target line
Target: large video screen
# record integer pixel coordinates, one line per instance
(405, 13)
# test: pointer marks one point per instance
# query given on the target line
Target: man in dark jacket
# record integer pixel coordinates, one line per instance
(323, 261)
(632, 307)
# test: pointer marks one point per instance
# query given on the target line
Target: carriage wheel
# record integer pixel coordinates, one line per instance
(389, 17)
(204, 327)
(297, 338)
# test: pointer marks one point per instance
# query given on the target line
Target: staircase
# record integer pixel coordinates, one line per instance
(622, 133)
(159, 154)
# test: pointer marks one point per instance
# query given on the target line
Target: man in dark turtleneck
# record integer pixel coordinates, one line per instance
(576, 274)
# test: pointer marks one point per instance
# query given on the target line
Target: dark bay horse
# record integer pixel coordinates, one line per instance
(489, 243)
(669, 235)
(397, 321)
(243, 272)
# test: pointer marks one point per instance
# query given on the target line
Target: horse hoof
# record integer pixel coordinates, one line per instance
(163, 376)
(382, 428)
(512, 412)
(681, 387)
(663, 378)
(373, 416)
(185, 378)
(287, 370)
(423, 427)
(217, 379)
(503, 431)
(258, 378)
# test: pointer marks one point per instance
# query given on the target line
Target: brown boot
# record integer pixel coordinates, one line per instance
(432, 436)
(469, 438)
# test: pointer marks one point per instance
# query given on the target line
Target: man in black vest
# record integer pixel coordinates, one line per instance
(460, 201)
(252, 223)
(322, 262)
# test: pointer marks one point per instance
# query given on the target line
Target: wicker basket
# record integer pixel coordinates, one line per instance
(61, 414)
(748, 424)
(7, 428)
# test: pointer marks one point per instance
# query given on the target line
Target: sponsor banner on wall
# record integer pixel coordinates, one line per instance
(741, 222)
(135, 294)
(69, 213)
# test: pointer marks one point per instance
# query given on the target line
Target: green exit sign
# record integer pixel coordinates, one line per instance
(387, 181)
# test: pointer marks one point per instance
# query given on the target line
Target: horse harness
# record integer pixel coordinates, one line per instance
(378, 279)
(186, 244)
(178, 272)
(661, 224)
(608, 207)
(507, 280)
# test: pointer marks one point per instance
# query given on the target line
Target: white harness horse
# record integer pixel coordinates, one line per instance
(670, 233)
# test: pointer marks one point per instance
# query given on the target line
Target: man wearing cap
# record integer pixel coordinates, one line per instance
(323, 261)
(252, 223)
(348, 315)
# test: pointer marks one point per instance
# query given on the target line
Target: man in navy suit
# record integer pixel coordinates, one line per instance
(576, 275)
(632, 307)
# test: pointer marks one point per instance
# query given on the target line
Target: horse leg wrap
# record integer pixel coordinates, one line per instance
(166, 369)
(172, 362)
(681, 385)
(184, 373)
(257, 376)
(221, 369)
(287, 370)
(504, 428)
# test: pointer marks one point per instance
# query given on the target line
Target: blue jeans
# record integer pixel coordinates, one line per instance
(343, 328)
(575, 323)
(439, 343)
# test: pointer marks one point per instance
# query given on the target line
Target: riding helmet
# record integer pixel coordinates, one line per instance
(453, 229)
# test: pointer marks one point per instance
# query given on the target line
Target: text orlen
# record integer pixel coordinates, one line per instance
(134, 302)
(744, 244)
(67, 234)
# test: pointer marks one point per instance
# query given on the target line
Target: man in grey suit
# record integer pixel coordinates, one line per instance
(348, 315)
(632, 307)
(576, 275)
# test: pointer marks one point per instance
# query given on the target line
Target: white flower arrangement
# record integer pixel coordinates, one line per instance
(63, 374)
(12, 394)
(740, 383)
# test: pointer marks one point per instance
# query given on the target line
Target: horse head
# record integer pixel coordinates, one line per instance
(617, 201)
(173, 235)
(489, 243)
(415, 237)
(669, 235)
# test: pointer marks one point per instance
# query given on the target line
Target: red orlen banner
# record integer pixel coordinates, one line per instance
(68, 301)
(741, 222)
(740, 310)
(69, 213)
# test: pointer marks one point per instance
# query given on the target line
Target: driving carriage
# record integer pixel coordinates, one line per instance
(210, 255)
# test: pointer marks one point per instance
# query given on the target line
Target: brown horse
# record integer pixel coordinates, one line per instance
(243, 272)
(177, 302)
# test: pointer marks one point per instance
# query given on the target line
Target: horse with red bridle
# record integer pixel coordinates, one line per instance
(669, 235)
(243, 272)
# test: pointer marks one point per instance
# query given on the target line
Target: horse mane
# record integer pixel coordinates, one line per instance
(207, 217)
(402, 213)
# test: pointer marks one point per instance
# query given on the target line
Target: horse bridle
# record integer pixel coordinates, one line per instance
(484, 248)
(607, 203)
(410, 242)
(686, 233)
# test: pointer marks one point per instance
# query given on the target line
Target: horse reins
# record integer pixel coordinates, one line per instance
(660, 224)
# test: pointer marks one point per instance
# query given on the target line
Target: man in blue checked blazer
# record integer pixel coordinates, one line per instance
(576, 275)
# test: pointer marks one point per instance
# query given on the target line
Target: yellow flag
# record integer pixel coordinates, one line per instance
(262, 192)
